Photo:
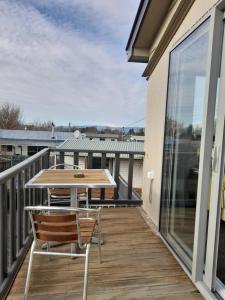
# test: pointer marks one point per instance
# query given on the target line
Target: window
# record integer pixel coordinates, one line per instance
(7, 148)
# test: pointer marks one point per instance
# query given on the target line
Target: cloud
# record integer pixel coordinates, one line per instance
(63, 70)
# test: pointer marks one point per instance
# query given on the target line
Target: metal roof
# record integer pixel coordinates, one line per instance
(47, 135)
(102, 135)
(6, 134)
(103, 146)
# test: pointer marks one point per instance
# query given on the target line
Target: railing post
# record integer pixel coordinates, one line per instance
(103, 166)
(76, 158)
(34, 196)
(29, 199)
(90, 166)
(45, 165)
(40, 191)
(46, 160)
(25, 214)
(116, 174)
(19, 213)
(90, 160)
(61, 159)
(12, 222)
(3, 233)
(130, 176)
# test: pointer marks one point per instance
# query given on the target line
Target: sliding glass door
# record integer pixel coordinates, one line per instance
(192, 216)
(183, 129)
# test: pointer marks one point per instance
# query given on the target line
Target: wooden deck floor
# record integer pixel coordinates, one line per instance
(136, 265)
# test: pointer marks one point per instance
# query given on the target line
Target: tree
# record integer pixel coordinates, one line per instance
(131, 131)
(39, 125)
(10, 116)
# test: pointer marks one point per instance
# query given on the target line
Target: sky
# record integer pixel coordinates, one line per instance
(65, 61)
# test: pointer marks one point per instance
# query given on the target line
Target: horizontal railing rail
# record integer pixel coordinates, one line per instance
(15, 228)
(82, 150)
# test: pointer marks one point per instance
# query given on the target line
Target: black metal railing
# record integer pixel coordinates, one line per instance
(15, 228)
(127, 194)
(14, 224)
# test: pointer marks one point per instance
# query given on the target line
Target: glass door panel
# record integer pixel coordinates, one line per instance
(182, 140)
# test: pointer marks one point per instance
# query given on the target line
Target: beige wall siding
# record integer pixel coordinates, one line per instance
(155, 116)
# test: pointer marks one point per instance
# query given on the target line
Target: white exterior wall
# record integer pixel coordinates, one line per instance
(137, 172)
(18, 150)
(81, 162)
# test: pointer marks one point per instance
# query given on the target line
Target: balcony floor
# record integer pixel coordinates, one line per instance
(136, 265)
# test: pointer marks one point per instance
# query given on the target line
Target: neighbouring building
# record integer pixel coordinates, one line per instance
(28, 142)
(183, 46)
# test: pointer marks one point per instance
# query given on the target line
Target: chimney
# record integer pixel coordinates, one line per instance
(53, 131)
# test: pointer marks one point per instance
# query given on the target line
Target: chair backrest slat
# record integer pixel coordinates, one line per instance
(55, 228)
(53, 218)
(56, 237)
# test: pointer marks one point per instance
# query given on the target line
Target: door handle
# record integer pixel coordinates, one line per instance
(215, 158)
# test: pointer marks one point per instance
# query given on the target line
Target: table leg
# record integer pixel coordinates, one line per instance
(73, 197)
(73, 203)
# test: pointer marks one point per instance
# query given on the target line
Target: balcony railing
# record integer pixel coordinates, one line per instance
(15, 227)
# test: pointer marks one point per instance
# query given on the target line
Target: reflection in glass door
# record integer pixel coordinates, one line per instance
(182, 141)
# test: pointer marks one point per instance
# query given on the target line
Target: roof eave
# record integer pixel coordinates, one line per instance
(138, 55)
(142, 29)
(138, 22)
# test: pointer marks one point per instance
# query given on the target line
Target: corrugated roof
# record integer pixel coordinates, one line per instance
(103, 146)
(47, 135)
(33, 135)
(102, 135)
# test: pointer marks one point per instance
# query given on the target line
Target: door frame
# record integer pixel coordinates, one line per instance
(205, 250)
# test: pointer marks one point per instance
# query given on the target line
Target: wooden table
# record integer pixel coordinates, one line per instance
(61, 178)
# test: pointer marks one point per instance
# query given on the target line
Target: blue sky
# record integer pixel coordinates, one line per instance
(64, 60)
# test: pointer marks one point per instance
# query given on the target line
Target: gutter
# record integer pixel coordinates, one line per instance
(138, 22)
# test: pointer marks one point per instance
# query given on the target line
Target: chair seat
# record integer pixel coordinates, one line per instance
(64, 192)
(49, 232)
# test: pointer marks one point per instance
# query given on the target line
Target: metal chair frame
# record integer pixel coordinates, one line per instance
(86, 247)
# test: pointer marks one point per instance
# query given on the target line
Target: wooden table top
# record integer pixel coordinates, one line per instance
(67, 178)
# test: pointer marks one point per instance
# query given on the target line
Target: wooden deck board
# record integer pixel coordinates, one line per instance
(136, 265)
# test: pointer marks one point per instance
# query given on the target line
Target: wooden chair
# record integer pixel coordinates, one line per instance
(60, 195)
(63, 224)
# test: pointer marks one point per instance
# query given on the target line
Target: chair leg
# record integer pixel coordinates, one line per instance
(87, 202)
(99, 246)
(29, 272)
(86, 272)
(49, 199)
